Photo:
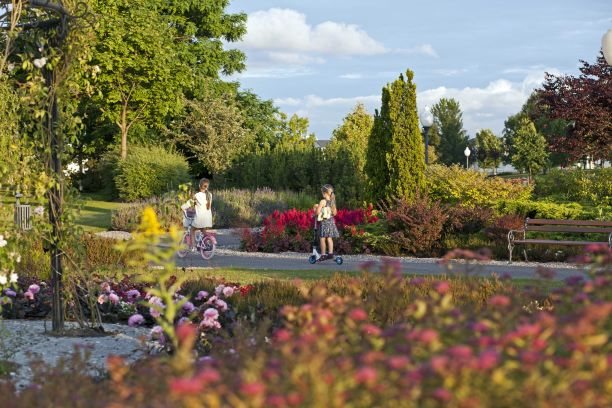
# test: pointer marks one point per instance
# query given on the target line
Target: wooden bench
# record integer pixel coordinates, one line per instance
(563, 226)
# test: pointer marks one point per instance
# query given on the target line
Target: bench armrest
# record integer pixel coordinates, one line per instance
(511, 235)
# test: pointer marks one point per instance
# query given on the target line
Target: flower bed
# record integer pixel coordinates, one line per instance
(358, 344)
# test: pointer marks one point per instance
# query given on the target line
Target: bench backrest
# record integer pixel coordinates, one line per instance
(582, 226)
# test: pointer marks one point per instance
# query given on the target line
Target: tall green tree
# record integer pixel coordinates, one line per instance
(489, 150)
(448, 119)
(396, 155)
(152, 55)
(347, 154)
(530, 153)
(212, 133)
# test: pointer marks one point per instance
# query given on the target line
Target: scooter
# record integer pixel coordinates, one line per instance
(315, 247)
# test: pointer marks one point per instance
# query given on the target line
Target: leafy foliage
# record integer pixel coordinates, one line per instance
(529, 148)
(585, 102)
(457, 185)
(489, 149)
(591, 186)
(150, 171)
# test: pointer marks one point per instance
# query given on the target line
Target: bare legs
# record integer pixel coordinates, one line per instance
(327, 242)
(193, 236)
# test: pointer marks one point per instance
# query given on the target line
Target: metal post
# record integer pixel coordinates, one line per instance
(426, 134)
(467, 162)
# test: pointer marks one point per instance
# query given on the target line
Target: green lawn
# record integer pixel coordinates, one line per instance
(96, 212)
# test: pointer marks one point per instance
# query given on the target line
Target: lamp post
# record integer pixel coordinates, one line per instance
(606, 46)
(427, 120)
(467, 156)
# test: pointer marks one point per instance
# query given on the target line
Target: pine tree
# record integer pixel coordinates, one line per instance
(453, 138)
(396, 155)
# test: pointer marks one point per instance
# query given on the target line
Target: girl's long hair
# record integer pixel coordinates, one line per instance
(328, 188)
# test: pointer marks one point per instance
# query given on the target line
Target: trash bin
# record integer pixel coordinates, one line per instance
(23, 217)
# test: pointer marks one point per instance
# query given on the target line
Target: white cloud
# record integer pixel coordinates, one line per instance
(291, 58)
(483, 107)
(351, 76)
(424, 49)
(287, 30)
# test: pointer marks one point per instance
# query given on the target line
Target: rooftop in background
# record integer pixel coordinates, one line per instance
(321, 144)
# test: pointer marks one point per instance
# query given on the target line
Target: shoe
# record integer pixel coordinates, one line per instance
(194, 250)
(322, 258)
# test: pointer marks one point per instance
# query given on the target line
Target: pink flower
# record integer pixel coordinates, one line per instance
(487, 359)
(438, 363)
(366, 375)
(101, 299)
(186, 386)
(219, 290)
(398, 362)
(29, 295)
(34, 289)
(282, 335)
(201, 295)
(210, 323)
(156, 332)
(221, 305)
(114, 299)
(136, 320)
(460, 352)
(428, 336)
(253, 388)
(211, 313)
(228, 291)
(358, 315)
(209, 375)
(499, 301)
(105, 287)
(442, 287)
(442, 394)
(371, 329)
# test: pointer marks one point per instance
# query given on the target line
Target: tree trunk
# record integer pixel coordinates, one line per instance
(123, 126)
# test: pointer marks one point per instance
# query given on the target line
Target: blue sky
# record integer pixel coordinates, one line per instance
(318, 58)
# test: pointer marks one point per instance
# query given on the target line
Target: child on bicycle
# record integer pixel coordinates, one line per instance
(326, 211)
(198, 211)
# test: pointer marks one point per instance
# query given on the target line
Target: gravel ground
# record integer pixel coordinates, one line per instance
(23, 340)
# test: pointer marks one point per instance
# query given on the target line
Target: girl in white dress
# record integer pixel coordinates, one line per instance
(202, 203)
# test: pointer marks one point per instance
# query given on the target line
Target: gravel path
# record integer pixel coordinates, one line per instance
(23, 340)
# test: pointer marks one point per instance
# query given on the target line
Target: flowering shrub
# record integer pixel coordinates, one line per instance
(292, 230)
(510, 349)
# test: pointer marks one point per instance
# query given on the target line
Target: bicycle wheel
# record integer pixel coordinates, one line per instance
(185, 245)
(207, 248)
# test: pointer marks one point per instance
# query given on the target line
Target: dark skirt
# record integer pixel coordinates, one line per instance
(329, 229)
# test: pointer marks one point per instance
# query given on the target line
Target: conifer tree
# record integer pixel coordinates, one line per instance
(396, 163)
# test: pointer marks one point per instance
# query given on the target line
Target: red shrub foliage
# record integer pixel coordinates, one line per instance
(467, 220)
(500, 227)
(416, 226)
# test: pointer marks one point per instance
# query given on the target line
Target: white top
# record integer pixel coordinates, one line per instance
(203, 217)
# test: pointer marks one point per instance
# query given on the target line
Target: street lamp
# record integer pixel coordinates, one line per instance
(606, 46)
(427, 120)
(467, 156)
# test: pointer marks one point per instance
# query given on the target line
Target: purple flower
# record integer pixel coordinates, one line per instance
(188, 307)
(201, 295)
(34, 288)
(132, 295)
(114, 299)
(219, 290)
(221, 305)
(156, 332)
(105, 287)
(10, 293)
(183, 320)
(136, 320)
(228, 291)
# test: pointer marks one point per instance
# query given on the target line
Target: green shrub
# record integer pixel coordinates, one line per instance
(248, 208)
(540, 209)
(590, 186)
(101, 252)
(149, 172)
(456, 185)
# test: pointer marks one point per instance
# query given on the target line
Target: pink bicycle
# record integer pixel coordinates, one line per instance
(205, 242)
